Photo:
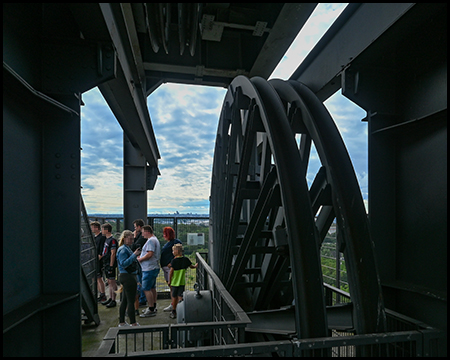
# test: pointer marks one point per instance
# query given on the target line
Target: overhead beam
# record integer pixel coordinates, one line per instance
(369, 21)
(198, 70)
(125, 94)
(287, 26)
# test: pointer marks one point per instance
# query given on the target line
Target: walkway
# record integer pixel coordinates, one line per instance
(109, 317)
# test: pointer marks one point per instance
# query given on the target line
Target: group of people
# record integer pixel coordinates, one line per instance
(138, 258)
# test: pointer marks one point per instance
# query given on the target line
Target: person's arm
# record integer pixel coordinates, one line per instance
(170, 276)
(146, 256)
(113, 257)
(194, 266)
(125, 259)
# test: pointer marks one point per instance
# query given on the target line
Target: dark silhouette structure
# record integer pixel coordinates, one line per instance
(390, 59)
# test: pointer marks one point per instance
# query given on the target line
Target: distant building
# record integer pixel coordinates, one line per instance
(196, 239)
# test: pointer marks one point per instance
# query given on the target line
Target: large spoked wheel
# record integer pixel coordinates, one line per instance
(265, 236)
(264, 242)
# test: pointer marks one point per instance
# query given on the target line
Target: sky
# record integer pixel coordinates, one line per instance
(187, 154)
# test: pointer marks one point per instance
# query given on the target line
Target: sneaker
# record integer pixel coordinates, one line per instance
(169, 308)
(101, 298)
(111, 304)
(147, 313)
(155, 310)
(173, 315)
(106, 302)
(124, 324)
(135, 324)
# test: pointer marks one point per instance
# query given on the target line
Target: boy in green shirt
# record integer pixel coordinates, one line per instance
(177, 279)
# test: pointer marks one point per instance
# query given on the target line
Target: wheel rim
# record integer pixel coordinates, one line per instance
(336, 191)
(261, 217)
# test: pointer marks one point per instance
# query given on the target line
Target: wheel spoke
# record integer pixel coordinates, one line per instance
(265, 233)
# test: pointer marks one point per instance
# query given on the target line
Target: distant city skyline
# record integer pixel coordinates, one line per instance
(187, 155)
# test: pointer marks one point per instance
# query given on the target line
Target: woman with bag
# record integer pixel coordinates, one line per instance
(128, 268)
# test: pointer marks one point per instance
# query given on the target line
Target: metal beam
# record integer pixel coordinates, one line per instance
(125, 94)
(134, 184)
(288, 24)
(369, 21)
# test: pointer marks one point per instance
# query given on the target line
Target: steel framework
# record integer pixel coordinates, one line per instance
(265, 239)
(390, 59)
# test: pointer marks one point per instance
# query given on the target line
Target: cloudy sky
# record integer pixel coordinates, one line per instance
(186, 155)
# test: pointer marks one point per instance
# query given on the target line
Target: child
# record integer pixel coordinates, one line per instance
(177, 276)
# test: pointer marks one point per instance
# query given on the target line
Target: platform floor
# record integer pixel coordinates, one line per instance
(109, 317)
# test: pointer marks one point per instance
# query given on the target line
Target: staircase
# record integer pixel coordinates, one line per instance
(88, 271)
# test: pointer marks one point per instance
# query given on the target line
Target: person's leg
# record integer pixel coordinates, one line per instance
(154, 276)
(130, 293)
(155, 296)
(146, 286)
(123, 305)
(141, 293)
(174, 296)
(149, 296)
(112, 288)
(179, 296)
(100, 285)
(166, 271)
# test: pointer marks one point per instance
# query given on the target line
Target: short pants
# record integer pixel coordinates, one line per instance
(110, 272)
(177, 291)
(149, 279)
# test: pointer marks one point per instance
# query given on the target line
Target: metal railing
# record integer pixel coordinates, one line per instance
(404, 337)
(333, 263)
(227, 327)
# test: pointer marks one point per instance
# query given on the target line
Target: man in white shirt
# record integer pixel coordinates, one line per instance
(150, 269)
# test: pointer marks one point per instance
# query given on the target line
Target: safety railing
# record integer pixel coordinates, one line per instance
(333, 264)
(227, 327)
(404, 337)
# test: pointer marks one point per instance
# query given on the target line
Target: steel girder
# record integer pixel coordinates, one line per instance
(126, 96)
(323, 75)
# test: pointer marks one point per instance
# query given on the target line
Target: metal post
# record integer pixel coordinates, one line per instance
(134, 184)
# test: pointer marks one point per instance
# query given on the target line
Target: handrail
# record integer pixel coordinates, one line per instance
(405, 336)
(238, 311)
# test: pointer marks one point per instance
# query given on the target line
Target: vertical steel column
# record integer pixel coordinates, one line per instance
(41, 284)
(134, 184)
(61, 224)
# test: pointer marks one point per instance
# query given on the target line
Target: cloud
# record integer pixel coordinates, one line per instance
(184, 119)
(101, 157)
(347, 117)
